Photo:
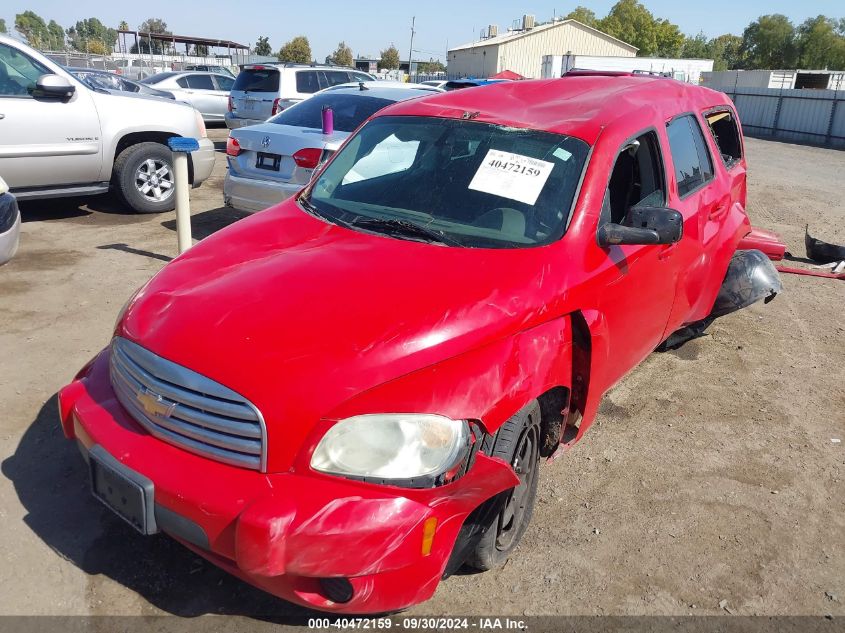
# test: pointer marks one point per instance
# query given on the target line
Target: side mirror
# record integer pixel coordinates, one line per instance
(644, 225)
(53, 86)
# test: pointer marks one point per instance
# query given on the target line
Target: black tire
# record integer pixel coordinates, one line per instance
(518, 443)
(155, 160)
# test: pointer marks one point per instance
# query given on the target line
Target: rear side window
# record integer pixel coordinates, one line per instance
(725, 132)
(693, 167)
(307, 81)
(336, 77)
(349, 111)
(182, 82)
(201, 82)
(257, 80)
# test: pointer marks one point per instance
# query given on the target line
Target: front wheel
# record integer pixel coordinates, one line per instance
(143, 177)
(518, 443)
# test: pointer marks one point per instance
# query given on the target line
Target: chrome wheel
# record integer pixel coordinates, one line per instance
(154, 179)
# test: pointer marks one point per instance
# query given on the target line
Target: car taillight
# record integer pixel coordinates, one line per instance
(233, 148)
(277, 106)
(231, 104)
(308, 157)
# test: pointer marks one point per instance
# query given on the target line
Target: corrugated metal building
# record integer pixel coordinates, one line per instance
(522, 50)
(726, 80)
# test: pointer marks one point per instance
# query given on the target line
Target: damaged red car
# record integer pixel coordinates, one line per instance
(348, 396)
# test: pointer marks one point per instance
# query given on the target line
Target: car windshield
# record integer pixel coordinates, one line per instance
(350, 110)
(475, 184)
(154, 79)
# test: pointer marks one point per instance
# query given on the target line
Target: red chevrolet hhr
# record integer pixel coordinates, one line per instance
(346, 397)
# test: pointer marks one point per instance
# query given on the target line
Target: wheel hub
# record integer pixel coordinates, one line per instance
(154, 179)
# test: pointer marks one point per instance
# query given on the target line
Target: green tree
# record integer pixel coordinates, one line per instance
(389, 58)
(820, 44)
(431, 66)
(55, 36)
(697, 47)
(262, 47)
(726, 52)
(32, 27)
(3, 26)
(669, 38)
(92, 36)
(151, 25)
(583, 15)
(342, 55)
(631, 22)
(769, 42)
(296, 50)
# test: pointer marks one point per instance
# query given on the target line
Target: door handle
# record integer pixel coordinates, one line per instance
(718, 212)
(2, 116)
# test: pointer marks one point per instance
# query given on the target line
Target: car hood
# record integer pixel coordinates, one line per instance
(299, 315)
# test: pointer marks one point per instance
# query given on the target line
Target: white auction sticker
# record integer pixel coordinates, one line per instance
(511, 176)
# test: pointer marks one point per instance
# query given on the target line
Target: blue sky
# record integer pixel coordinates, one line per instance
(369, 27)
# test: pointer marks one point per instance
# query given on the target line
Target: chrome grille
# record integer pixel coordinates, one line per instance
(186, 409)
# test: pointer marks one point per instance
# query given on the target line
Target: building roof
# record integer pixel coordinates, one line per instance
(579, 106)
(185, 39)
(510, 36)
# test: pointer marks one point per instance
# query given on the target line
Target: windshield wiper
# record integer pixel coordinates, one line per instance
(404, 227)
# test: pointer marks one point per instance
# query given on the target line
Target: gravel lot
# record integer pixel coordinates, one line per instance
(710, 476)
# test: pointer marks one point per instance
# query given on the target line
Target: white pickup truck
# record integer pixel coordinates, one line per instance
(59, 137)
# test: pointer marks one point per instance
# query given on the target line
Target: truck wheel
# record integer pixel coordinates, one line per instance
(518, 443)
(143, 178)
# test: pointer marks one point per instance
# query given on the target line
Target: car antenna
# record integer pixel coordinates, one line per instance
(361, 86)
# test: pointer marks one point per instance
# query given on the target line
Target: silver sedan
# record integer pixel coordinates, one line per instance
(207, 92)
(271, 161)
(10, 224)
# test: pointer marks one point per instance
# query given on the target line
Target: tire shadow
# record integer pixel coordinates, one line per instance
(51, 481)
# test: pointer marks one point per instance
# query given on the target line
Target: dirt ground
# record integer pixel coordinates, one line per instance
(709, 476)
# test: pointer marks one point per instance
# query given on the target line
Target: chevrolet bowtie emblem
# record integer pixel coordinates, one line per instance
(155, 404)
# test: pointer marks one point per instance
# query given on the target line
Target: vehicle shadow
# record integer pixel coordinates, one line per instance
(71, 208)
(51, 481)
(209, 222)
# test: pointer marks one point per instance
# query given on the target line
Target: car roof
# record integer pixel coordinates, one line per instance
(375, 89)
(580, 106)
(382, 85)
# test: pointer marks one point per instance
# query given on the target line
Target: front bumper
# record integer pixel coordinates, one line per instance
(203, 161)
(283, 532)
(234, 122)
(250, 194)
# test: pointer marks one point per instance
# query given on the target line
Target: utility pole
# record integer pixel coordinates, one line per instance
(411, 50)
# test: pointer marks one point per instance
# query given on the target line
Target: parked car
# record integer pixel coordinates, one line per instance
(271, 161)
(263, 90)
(106, 80)
(207, 92)
(10, 224)
(435, 83)
(460, 84)
(344, 398)
(62, 138)
(137, 69)
(219, 70)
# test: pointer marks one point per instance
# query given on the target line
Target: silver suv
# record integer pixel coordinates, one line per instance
(264, 90)
(60, 137)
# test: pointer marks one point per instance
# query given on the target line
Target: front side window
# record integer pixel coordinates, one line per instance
(224, 83)
(475, 184)
(693, 167)
(636, 180)
(18, 72)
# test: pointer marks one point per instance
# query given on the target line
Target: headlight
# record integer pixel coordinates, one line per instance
(392, 446)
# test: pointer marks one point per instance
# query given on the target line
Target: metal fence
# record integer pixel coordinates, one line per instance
(814, 117)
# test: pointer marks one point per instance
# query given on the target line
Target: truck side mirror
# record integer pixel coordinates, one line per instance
(644, 225)
(53, 86)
